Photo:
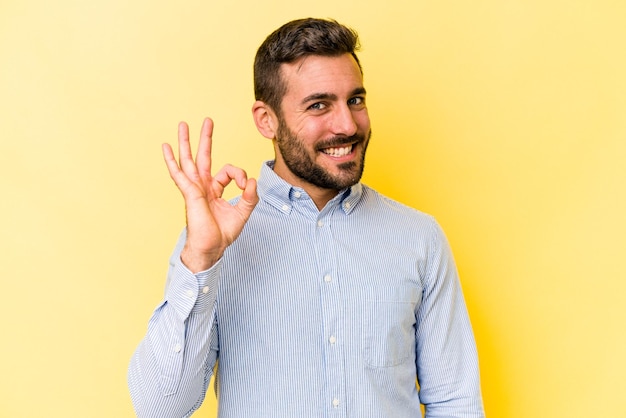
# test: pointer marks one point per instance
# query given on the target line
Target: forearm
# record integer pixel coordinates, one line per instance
(448, 365)
(171, 368)
(446, 355)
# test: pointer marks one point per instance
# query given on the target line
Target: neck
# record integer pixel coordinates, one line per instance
(320, 196)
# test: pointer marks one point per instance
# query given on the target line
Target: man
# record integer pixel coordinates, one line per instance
(320, 297)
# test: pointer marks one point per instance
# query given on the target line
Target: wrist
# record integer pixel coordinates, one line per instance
(197, 261)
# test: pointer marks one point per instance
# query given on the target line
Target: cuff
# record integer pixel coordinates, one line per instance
(188, 292)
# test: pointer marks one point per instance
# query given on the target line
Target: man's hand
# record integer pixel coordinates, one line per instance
(212, 223)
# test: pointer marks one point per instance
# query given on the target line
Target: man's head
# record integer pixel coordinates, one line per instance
(289, 43)
(311, 103)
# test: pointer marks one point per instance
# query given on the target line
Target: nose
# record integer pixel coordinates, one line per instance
(343, 122)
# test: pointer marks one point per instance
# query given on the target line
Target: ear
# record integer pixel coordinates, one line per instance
(265, 119)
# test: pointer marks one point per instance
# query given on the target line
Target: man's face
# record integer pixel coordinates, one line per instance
(324, 128)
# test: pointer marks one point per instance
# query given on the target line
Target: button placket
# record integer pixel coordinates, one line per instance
(332, 314)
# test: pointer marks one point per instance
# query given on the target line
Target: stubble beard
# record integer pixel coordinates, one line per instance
(301, 164)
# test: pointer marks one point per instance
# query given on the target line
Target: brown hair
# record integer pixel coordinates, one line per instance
(292, 41)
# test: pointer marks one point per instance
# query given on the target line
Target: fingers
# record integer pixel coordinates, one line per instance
(193, 170)
(249, 197)
(181, 180)
(226, 175)
(189, 174)
(184, 150)
(203, 157)
(170, 160)
(230, 173)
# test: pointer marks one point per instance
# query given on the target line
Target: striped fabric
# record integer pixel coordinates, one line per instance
(337, 313)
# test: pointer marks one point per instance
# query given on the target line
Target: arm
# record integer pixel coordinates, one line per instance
(446, 357)
(170, 370)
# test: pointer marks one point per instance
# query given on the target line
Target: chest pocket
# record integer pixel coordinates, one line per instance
(389, 326)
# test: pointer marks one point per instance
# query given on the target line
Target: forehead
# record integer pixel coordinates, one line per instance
(312, 74)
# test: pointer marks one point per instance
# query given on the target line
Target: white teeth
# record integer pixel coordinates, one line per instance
(338, 152)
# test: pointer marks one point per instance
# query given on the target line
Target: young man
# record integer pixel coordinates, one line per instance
(314, 295)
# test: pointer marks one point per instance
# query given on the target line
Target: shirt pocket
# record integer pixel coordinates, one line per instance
(389, 326)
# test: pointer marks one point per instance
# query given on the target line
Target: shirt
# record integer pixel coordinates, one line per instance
(352, 311)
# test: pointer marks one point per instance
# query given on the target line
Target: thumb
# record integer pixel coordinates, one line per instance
(249, 199)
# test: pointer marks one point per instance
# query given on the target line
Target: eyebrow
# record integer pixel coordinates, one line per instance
(330, 96)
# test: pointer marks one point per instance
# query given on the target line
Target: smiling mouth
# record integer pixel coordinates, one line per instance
(338, 151)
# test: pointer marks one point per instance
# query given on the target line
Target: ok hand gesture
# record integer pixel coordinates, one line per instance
(212, 223)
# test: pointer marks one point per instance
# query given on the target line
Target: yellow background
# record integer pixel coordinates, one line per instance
(506, 119)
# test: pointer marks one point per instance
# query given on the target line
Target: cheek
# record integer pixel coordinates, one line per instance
(311, 132)
(363, 120)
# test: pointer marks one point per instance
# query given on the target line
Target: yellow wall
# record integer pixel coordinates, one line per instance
(504, 119)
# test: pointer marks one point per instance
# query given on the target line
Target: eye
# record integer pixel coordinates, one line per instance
(317, 106)
(356, 101)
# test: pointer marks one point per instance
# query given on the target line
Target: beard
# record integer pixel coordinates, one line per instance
(302, 164)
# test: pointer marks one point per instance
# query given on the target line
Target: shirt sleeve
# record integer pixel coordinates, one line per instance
(446, 355)
(169, 372)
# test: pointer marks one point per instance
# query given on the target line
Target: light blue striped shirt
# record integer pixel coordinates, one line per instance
(332, 313)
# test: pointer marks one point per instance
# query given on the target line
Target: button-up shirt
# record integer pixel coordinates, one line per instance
(352, 311)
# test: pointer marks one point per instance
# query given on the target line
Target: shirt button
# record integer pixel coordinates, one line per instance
(320, 223)
(346, 205)
(297, 194)
(285, 208)
(328, 278)
(189, 293)
(335, 402)
(177, 348)
(332, 339)
(205, 289)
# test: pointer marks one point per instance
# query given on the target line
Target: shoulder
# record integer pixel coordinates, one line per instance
(374, 201)
(389, 217)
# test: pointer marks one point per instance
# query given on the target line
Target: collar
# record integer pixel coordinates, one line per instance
(283, 196)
